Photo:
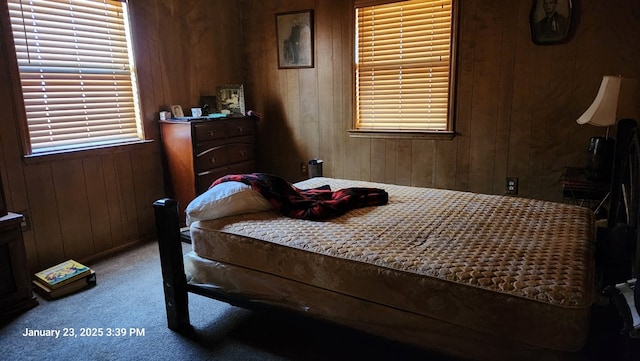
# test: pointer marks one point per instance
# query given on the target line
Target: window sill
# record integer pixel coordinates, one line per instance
(385, 134)
(85, 152)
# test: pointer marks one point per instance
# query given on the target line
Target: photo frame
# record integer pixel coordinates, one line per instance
(209, 104)
(550, 21)
(230, 99)
(295, 37)
(176, 111)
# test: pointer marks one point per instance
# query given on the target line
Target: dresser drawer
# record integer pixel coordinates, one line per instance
(240, 127)
(212, 158)
(204, 179)
(249, 140)
(240, 152)
(244, 167)
(208, 131)
(10, 235)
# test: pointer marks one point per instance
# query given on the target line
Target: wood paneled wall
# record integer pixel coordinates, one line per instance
(87, 204)
(516, 108)
(517, 102)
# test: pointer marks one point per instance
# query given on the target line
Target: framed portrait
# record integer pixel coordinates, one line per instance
(177, 112)
(230, 99)
(550, 21)
(294, 34)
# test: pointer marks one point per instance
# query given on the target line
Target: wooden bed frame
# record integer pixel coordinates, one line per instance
(621, 234)
(174, 280)
(619, 246)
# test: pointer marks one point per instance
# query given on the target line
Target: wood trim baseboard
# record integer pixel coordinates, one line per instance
(118, 249)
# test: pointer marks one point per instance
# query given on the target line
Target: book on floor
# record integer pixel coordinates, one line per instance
(62, 274)
(86, 281)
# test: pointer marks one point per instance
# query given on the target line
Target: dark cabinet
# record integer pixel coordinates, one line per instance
(15, 280)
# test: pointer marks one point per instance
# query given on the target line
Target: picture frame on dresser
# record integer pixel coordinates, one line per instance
(230, 99)
(209, 104)
(177, 111)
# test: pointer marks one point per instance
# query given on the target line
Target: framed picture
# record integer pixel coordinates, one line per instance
(209, 104)
(294, 34)
(550, 21)
(177, 112)
(230, 99)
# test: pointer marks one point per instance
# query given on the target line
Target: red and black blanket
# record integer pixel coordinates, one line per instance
(313, 204)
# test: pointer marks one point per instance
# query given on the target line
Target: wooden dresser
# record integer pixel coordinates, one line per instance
(15, 280)
(200, 151)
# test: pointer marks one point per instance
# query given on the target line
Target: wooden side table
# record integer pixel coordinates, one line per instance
(16, 294)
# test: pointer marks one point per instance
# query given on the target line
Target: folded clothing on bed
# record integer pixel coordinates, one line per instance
(312, 204)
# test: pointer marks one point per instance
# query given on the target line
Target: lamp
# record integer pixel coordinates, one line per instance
(616, 99)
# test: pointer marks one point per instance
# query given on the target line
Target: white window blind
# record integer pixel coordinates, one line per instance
(76, 72)
(403, 65)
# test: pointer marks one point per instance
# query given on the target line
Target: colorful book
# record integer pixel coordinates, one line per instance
(76, 285)
(62, 274)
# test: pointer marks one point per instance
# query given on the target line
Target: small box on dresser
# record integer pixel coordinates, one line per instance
(200, 151)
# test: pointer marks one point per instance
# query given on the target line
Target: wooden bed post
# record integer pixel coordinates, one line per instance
(624, 136)
(173, 276)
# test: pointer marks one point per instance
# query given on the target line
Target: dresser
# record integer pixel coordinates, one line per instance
(198, 152)
(15, 280)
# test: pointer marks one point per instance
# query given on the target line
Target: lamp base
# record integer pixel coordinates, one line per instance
(600, 158)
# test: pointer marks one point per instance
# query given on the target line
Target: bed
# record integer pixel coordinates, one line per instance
(470, 275)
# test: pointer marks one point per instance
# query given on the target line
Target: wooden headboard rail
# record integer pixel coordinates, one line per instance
(625, 191)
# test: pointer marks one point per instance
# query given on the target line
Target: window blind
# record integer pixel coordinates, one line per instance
(76, 72)
(403, 65)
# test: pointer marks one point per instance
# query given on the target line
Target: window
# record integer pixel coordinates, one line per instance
(76, 71)
(403, 65)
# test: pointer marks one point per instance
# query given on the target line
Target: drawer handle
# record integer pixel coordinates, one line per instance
(241, 129)
(212, 160)
(212, 132)
(242, 153)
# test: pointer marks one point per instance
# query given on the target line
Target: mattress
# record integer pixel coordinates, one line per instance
(512, 268)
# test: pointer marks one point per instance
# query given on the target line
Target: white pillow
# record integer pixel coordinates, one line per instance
(225, 199)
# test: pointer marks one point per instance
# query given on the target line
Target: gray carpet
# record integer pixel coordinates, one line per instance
(129, 295)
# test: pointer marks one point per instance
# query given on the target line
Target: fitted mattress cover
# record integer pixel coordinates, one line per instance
(514, 268)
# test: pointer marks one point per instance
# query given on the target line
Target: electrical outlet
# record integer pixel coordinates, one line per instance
(303, 168)
(512, 185)
(26, 221)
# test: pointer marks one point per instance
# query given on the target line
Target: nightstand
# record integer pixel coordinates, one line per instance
(579, 189)
(15, 280)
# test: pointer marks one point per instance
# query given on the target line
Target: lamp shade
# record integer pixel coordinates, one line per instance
(616, 99)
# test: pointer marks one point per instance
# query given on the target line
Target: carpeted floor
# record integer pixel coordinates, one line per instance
(129, 296)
